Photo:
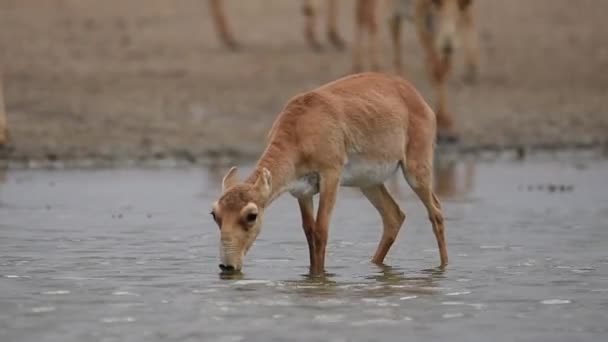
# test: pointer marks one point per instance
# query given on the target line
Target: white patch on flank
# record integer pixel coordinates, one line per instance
(307, 185)
(356, 173)
(411, 180)
(363, 173)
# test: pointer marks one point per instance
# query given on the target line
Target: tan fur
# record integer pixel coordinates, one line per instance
(3, 122)
(440, 24)
(310, 10)
(370, 118)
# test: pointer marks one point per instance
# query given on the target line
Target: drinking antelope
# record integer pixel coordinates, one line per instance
(357, 132)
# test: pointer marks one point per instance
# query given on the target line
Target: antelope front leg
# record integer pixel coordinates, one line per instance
(311, 9)
(471, 50)
(308, 224)
(374, 41)
(330, 181)
(3, 123)
(392, 218)
(221, 25)
(395, 28)
(445, 119)
(332, 25)
(358, 39)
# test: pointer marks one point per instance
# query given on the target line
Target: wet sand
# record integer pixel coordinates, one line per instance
(131, 254)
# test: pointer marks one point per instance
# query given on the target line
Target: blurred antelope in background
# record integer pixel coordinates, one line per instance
(442, 26)
(310, 9)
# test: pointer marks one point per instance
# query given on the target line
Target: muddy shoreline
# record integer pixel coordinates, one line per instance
(573, 152)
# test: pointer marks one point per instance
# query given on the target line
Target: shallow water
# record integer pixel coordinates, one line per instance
(131, 254)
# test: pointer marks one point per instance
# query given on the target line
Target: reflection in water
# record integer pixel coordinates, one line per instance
(451, 179)
(231, 275)
(449, 182)
(394, 278)
(388, 275)
(386, 281)
(323, 279)
(3, 169)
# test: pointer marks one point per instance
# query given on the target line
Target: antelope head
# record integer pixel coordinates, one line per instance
(238, 214)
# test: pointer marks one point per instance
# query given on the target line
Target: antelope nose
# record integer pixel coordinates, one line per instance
(226, 268)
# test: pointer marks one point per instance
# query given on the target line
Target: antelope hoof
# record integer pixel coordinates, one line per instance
(336, 40)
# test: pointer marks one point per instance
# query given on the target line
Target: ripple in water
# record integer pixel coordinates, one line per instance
(329, 318)
(127, 319)
(555, 301)
(57, 292)
(380, 321)
(458, 293)
(124, 293)
(453, 315)
(252, 282)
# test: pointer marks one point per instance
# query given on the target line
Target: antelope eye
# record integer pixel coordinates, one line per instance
(251, 217)
(213, 215)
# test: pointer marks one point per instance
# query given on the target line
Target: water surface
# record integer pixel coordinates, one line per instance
(131, 254)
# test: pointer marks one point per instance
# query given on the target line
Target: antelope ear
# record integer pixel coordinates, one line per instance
(229, 179)
(264, 183)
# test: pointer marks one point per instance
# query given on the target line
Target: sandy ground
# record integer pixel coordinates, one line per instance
(115, 78)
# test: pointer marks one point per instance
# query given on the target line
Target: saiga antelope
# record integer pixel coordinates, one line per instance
(440, 25)
(310, 10)
(356, 131)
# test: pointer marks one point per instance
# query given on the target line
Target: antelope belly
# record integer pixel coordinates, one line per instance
(356, 173)
(363, 173)
(307, 185)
